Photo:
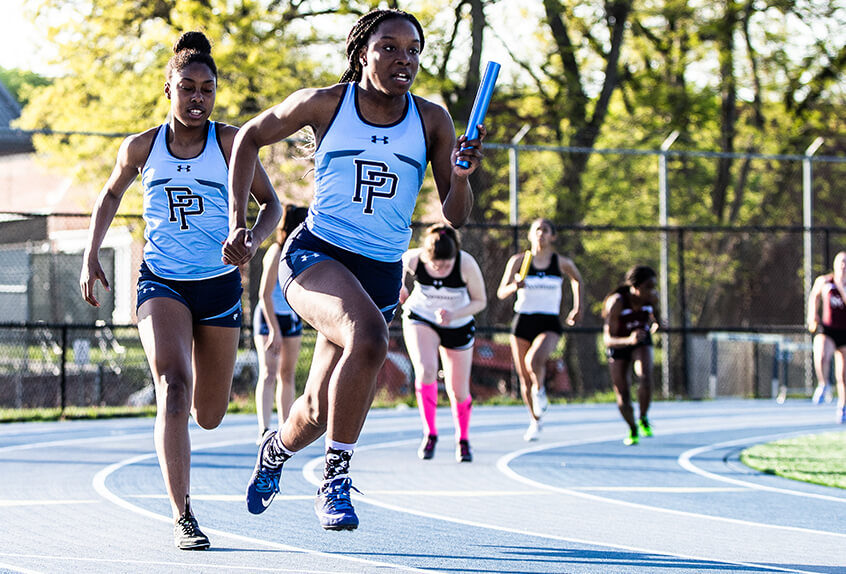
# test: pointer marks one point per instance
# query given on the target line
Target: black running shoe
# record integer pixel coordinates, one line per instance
(462, 452)
(427, 447)
(186, 532)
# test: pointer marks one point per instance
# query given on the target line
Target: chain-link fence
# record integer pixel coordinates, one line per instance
(736, 313)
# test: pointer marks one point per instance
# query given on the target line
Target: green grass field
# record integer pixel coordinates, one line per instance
(818, 458)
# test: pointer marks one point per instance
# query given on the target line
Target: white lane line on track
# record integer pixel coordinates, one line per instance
(685, 462)
(660, 489)
(99, 483)
(68, 441)
(503, 466)
(311, 476)
(13, 568)
(440, 493)
(121, 561)
(7, 503)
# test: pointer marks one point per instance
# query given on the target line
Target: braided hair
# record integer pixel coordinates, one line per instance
(191, 47)
(360, 35)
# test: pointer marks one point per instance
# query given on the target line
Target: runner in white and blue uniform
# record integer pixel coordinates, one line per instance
(536, 328)
(189, 288)
(341, 272)
(277, 331)
(448, 289)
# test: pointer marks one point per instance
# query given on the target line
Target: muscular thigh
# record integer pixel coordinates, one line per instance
(215, 350)
(165, 329)
(330, 298)
(422, 343)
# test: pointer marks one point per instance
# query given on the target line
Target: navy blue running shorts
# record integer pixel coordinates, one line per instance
(215, 301)
(459, 338)
(381, 280)
(529, 325)
(290, 324)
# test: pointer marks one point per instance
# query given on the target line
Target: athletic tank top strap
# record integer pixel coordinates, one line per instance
(542, 290)
(631, 319)
(454, 280)
(834, 308)
(186, 209)
(367, 178)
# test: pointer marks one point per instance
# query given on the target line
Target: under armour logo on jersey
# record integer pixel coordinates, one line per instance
(235, 316)
(185, 202)
(375, 139)
(308, 256)
(146, 290)
(183, 168)
(372, 180)
(437, 283)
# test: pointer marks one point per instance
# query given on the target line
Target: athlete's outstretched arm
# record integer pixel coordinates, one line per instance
(300, 109)
(450, 179)
(131, 156)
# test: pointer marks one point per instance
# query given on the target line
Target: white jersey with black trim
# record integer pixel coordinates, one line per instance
(432, 293)
(367, 178)
(186, 210)
(542, 291)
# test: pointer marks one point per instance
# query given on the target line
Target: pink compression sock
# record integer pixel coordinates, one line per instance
(461, 415)
(427, 402)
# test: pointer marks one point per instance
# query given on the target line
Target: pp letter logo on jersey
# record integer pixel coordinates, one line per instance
(372, 180)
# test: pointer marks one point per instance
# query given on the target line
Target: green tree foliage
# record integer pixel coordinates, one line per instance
(21, 82)
(114, 54)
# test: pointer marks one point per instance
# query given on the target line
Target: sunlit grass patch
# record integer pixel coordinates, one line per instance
(818, 458)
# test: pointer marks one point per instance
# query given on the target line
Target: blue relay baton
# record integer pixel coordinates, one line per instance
(480, 105)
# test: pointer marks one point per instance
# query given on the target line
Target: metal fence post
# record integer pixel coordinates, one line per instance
(514, 175)
(808, 224)
(663, 213)
(63, 381)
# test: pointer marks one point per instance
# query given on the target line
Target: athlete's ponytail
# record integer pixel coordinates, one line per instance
(191, 47)
(441, 242)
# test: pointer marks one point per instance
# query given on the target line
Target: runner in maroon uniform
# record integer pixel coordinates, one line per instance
(631, 316)
(830, 332)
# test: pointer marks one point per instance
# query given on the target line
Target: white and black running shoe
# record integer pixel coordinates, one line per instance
(186, 532)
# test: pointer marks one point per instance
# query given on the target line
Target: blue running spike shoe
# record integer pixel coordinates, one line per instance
(264, 484)
(333, 506)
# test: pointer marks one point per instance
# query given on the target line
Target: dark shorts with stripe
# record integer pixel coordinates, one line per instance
(530, 325)
(381, 280)
(837, 335)
(215, 301)
(459, 338)
(290, 324)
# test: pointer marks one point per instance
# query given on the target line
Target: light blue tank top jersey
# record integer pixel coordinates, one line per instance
(367, 178)
(186, 210)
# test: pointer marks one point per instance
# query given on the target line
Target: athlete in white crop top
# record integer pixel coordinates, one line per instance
(342, 272)
(536, 328)
(438, 321)
(189, 302)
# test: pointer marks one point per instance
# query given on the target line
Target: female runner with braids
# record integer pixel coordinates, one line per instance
(341, 271)
(630, 313)
(438, 317)
(189, 297)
